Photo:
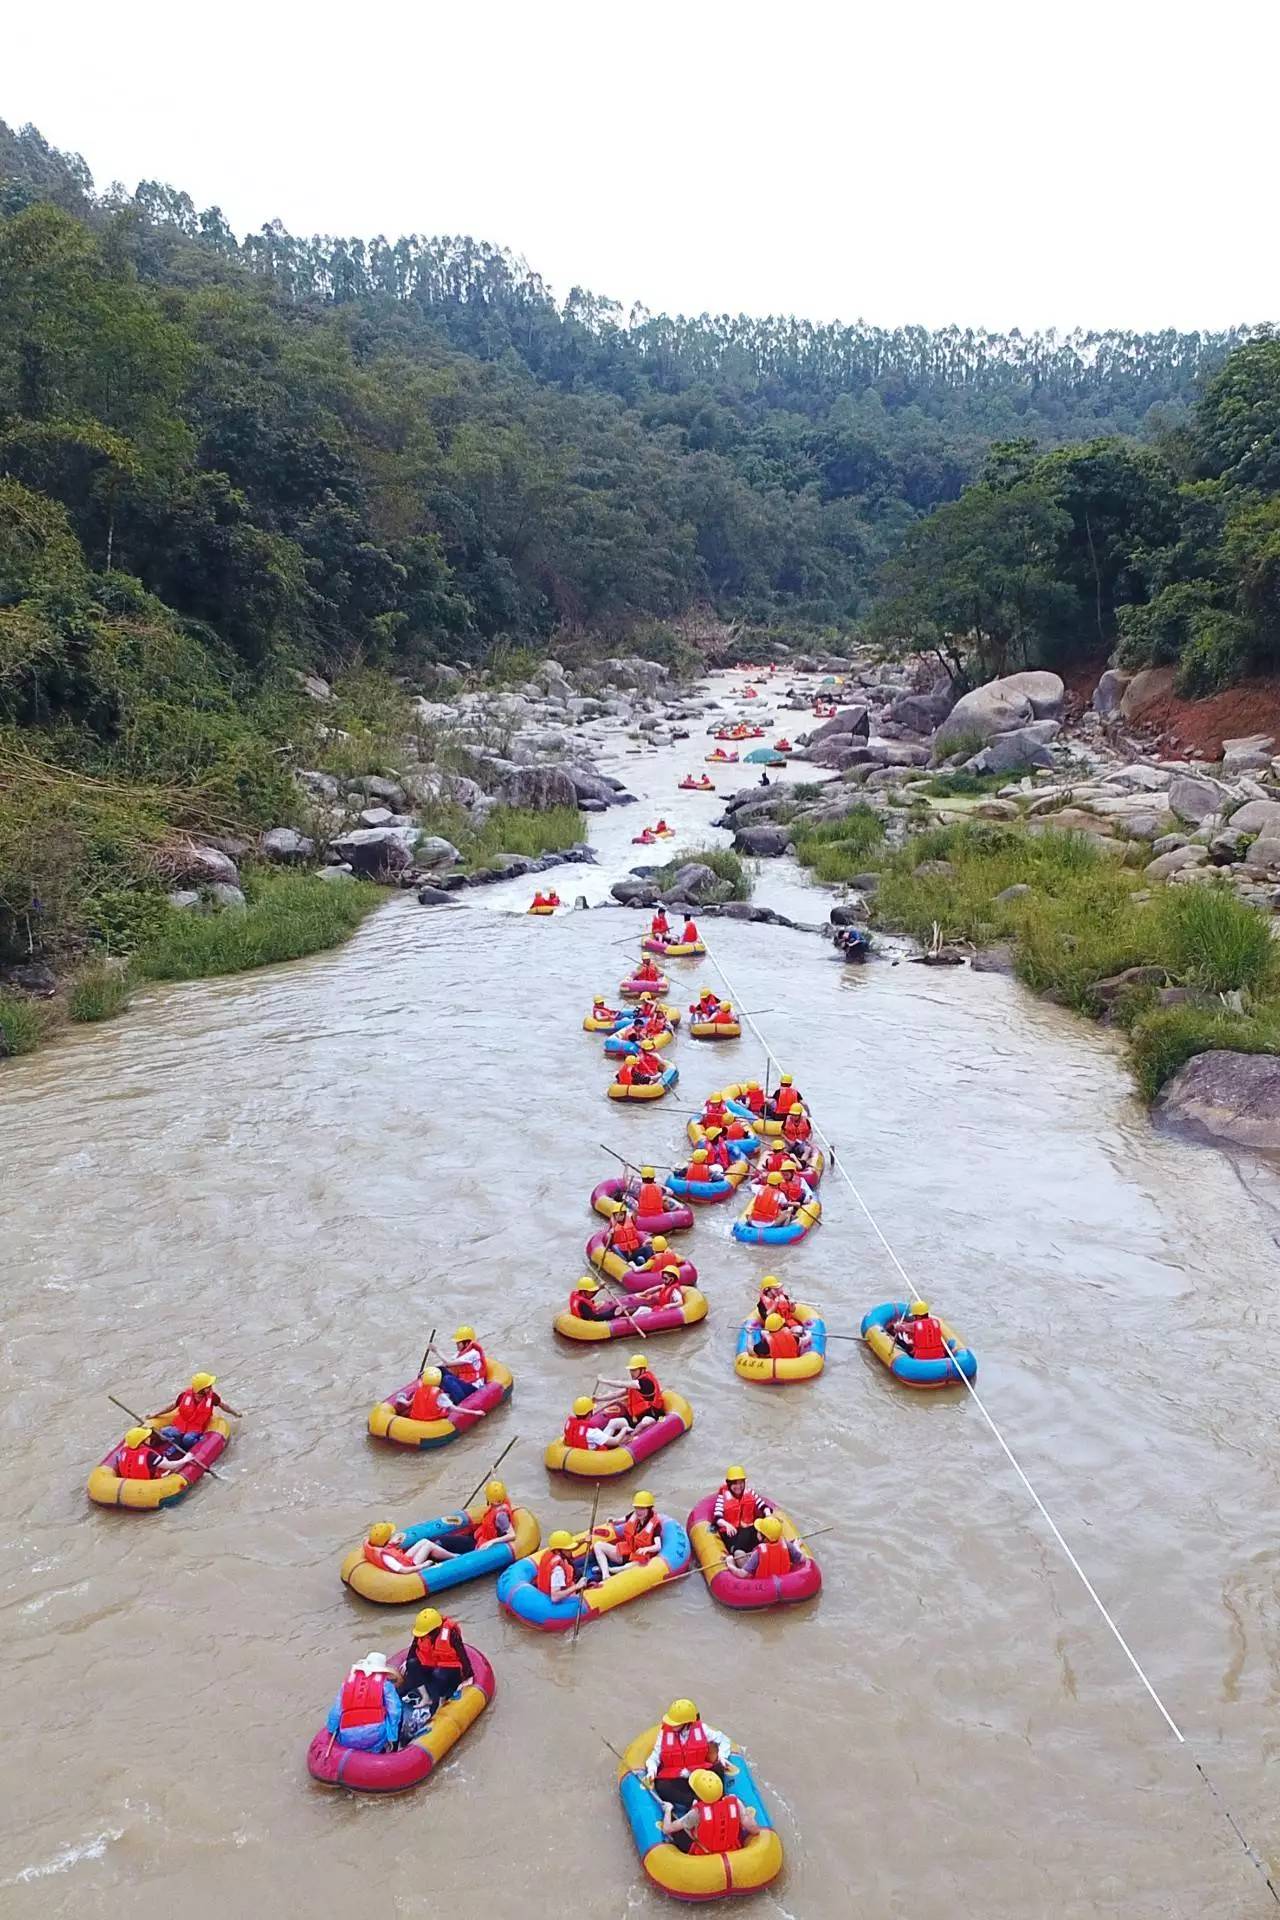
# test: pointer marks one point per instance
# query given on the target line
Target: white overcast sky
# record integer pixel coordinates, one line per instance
(994, 164)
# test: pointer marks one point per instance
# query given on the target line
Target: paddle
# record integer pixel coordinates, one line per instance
(488, 1476)
(427, 1355)
(138, 1421)
(625, 1315)
(591, 1534)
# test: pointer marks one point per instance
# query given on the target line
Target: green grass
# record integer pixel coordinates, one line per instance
(100, 993)
(1215, 941)
(288, 915)
(522, 830)
(1166, 1038)
(836, 850)
(967, 741)
(962, 785)
(729, 868)
(20, 1024)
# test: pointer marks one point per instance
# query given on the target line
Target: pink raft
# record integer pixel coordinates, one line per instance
(336, 1766)
(633, 1279)
(676, 1220)
(634, 989)
(734, 1589)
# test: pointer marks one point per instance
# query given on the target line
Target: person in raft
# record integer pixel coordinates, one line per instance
(641, 1402)
(601, 1010)
(716, 1821)
(784, 1099)
(559, 1574)
(714, 1112)
(660, 926)
(385, 1546)
(647, 971)
(772, 1556)
(775, 1340)
(586, 1428)
(623, 1237)
(699, 1171)
(736, 1511)
(437, 1667)
(724, 1015)
(193, 1410)
(468, 1368)
(539, 900)
(796, 1189)
(368, 1711)
(768, 1207)
(425, 1400)
(685, 1744)
(144, 1455)
(662, 827)
(797, 1128)
(753, 1097)
(690, 936)
(716, 1149)
(705, 1006)
(647, 1066)
(637, 1537)
(920, 1333)
(774, 1298)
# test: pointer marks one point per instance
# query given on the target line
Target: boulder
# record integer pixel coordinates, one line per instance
(1109, 692)
(997, 959)
(1146, 690)
(322, 786)
(1168, 841)
(378, 850)
(591, 787)
(837, 755)
(993, 809)
(313, 686)
(434, 897)
(183, 899)
(1246, 753)
(852, 912)
(206, 866)
(1139, 775)
(899, 753)
(935, 870)
(635, 893)
(377, 787)
(693, 881)
(1225, 848)
(1228, 1097)
(376, 816)
(1257, 816)
(1044, 690)
(343, 872)
(222, 895)
(849, 720)
(1069, 820)
(432, 785)
(538, 787)
(1110, 990)
(985, 712)
(922, 712)
(765, 840)
(1167, 864)
(1009, 752)
(1264, 854)
(1194, 797)
(433, 850)
(286, 845)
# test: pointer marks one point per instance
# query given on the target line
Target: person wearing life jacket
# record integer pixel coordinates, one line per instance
(773, 1160)
(626, 1074)
(714, 1112)
(784, 1099)
(662, 827)
(538, 900)
(623, 1237)
(772, 1556)
(774, 1299)
(920, 1333)
(637, 1536)
(601, 1010)
(367, 1711)
(724, 1015)
(797, 1128)
(586, 1427)
(589, 1302)
(651, 1199)
(753, 1096)
(438, 1664)
(557, 1573)
(736, 1128)
(699, 1170)
(685, 1744)
(138, 1457)
(767, 1208)
(425, 1401)
(714, 1146)
(703, 1009)
(384, 1548)
(795, 1188)
(553, 898)
(193, 1411)
(775, 1340)
(468, 1368)
(646, 970)
(641, 1394)
(647, 1064)
(736, 1511)
(498, 1521)
(661, 1257)
(690, 936)
(660, 926)
(715, 1822)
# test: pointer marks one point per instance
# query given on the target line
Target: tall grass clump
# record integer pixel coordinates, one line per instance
(521, 830)
(1166, 1038)
(1212, 940)
(21, 1027)
(288, 915)
(836, 850)
(729, 868)
(100, 993)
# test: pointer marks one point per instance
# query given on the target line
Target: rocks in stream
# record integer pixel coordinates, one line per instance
(1228, 1098)
(765, 841)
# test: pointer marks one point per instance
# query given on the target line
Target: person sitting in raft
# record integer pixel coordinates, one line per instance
(623, 1237)
(795, 1188)
(774, 1299)
(384, 1547)
(772, 1556)
(426, 1401)
(660, 926)
(768, 1208)
(651, 1198)
(468, 1368)
(661, 1258)
(437, 1667)
(662, 827)
(784, 1099)
(736, 1511)
(539, 900)
(588, 1302)
(703, 1008)
(736, 1128)
(724, 1015)
(647, 971)
(690, 936)
(585, 1428)
(716, 1822)
(143, 1455)
(773, 1160)
(684, 1746)
(920, 1333)
(641, 1392)
(601, 1010)
(558, 1574)
(714, 1112)
(753, 1096)
(637, 1537)
(194, 1410)
(699, 1171)
(717, 1151)
(367, 1711)
(648, 1067)
(553, 898)
(644, 839)
(797, 1128)
(775, 1340)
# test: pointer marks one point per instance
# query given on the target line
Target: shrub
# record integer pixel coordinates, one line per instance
(21, 1024)
(836, 850)
(1212, 940)
(289, 915)
(729, 868)
(99, 994)
(122, 918)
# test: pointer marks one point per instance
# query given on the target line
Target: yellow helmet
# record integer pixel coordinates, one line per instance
(584, 1405)
(495, 1490)
(775, 1180)
(774, 1322)
(770, 1280)
(727, 1008)
(648, 1173)
(464, 1333)
(707, 1785)
(199, 1381)
(790, 1166)
(588, 1284)
(734, 1473)
(659, 1242)
(560, 1541)
(681, 1713)
(642, 1499)
(713, 1133)
(786, 1080)
(770, 1526)
(699, 1158)
(427, 1621)
(636, 1363)
(919, 1308)
(137, 1436)
(617, 1206)
(645, 998)
(431, 1376)
(380, 1532)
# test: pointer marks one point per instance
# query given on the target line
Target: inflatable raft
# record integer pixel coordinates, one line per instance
(634, 1279)
(916, 1373)
(539, 909)
(674, 949)
(697, 786)
(591, 1025)
(634, 989)
(715, 1030)
(386, 1424)
(519, 1596)
(107, 1489)
(399, 1589)
(706, 1193)
(644, 1320)
(739, 1149)
(805, 1366)
(746, 1592)
(692, 1876)
(618, 1047)
(335, 1766)
(647, 1089)
(721, 759)
(786, 1234)
(603, 1463)
(673, 1220)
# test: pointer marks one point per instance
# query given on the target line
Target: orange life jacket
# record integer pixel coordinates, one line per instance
(740, 1512)
(428, 1403)
(683, 1749)
(194, 1411)
(640, 1537)
(651, 1199)
(134, 1463)
(783, 1345)
(699, 1170)
(475, 1370)
(439, 1649)
(774, 1559)
(796, 1126)
(390, 1559)
(926, 1338)
(754, 1098)
(576, 1431)
(626, 1073)
(547, 1565)
(667, 1262)
(648, 1065)
(487, 1525)
(766, 1206)
(638, 1403)
(626, 1236)
(722, 1018)
(736, 1129)
(362, 1703)
(719, 1826)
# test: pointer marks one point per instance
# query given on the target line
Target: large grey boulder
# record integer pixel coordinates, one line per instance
(1009, 751)
(376, 816)
(1263, 856)
(377, 850)
(1247, 753)
(635, 893)
(591, 787)
(1109, 692)
(1257, 816)
(538, 787)
(286, 846)
(430, 786)
(922, 712)
(849, 720)
(433, 850)
(1229, 1097)
(377, 787)
(1193, 797)
(835, 755)
(1044, 690)
(766, 841)
(1165, 865)
(694, 881)
(321, 786)
(204, 866)
(1145, 691)
(985, 712)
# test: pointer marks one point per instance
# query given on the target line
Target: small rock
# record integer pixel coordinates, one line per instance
(343, 872)
(997, 959)
(434, 897)
(1168, 843)
(314, 687)
(935, 870)
(286, 845)
(223, 895)
(1109, 990)
(1170, 863)
(183, 899)
(1247, 753)
(376, 816)
(1019, 891)
(207, 865)
(1109, 692)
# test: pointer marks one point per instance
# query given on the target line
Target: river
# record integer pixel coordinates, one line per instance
(290, 1177)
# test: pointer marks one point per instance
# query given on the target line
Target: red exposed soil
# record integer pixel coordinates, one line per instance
(1199, 727)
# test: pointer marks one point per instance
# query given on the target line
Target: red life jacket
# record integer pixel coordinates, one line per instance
(719, 1826)
(785, 1099)
(677, 1756)
(362, 1704)
(474, 1370)
(754, 1098)
(626, 1073)
(736, 1129)
(588, 1306)
(626, 1237)
(796, 1127)
(713, 1114)
(722, 1018)
(390, 1559)
(649, 1066)
(718, 1154)
(428, 1403)
(575, 1431)
(690, 934)
(134, 1463)
(783, 1345)
(774, 1559)
(698, 1170)
(665, 1296)
(795, 1190)
(667, 1262)
(651, 1199)
(638, 1404)
(547, 1565)
(926, 1339)
(639, 1536)
(766, 1206)
(487, 1525)
(439, 1649)
(740, 1512)
(194, 1411)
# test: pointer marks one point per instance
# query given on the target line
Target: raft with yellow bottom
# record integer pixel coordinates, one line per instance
(518, 1593)
(715, 1030)
(386, 1424)
(631, 1321)
(107, 1489)
(804, 1366)
(337, 1766)
(401, 1589)
(692, 1876)
(603, 1463)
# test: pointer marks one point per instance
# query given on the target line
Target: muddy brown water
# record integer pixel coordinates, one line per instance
(290, 1177)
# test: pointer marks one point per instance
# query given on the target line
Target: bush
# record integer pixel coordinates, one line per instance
(965, 740)
(21, 1024)
(729, 868)
(99, 994)
(1212, 940)
(836, 850)
(289, 915)
(122, 918)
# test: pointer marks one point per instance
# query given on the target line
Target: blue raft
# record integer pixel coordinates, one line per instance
(786, 1235)
(960, 1362)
